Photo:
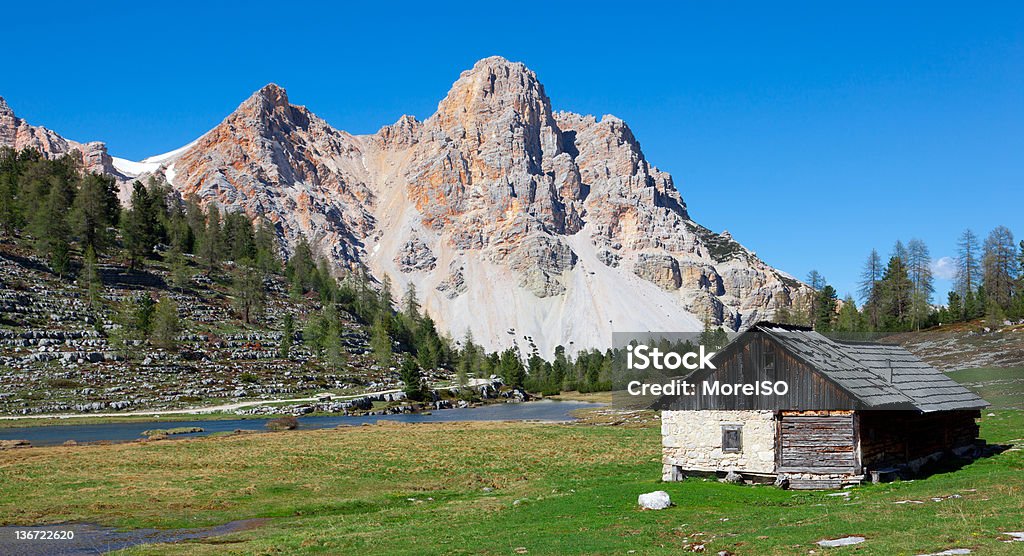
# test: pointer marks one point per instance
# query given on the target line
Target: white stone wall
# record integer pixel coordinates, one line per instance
(692, 440)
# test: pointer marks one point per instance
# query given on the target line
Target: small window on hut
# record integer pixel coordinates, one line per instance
(732, 438)
(769, 361)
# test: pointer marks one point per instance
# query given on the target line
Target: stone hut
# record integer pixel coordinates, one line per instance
(852, 411)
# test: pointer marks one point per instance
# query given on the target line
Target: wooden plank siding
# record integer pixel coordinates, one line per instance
(744, 362)
(818, 442)
(894, 437)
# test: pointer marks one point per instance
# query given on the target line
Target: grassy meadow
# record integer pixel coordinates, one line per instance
(494, 488)
(1002, 387)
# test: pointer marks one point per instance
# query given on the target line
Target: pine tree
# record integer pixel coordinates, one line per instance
(968, 271)
(380, 342)
(267, 257)
(430, 351)
(849, 318)
(55, 240)
(920, 272)
(413, 379)
(212, 247)
(955, 307)
(90, 278)
(560, 367)
(10, 211)
(95, 211)
(410, 304)
(869, 290)
(300, 267)
(239, 238)
(141, 317)
(333, 350)
(510, 368)
(287, 336)
(712, 337)
(250, 296)
(816, 281)
(195, 218)
(469, 361)
(180, 276)
(385, 297)
(896, 292)
(166, 324)
(140, 225)
(826, 308)
(999, 262)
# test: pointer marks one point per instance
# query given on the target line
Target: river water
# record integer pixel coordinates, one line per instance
(543, 410)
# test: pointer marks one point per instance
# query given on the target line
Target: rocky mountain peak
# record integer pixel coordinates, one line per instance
(4, 109)
(512, 221)
(492, 88)
(271, 94)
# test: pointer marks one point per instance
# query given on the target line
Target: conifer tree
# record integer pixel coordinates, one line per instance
(380, 342)
(212, 247)
(848, 319)
(896, 293)
(250, 294)
(140, 225)
(999, 262)
(95, 210)
(55, 239)
(267, 257)
(968, 271)
(954, 307)
(166, 325)
(869, 290)
(90, 278)
(287, 336)
(180, 276)
(826, 308)
(413, 379)
(920, 273)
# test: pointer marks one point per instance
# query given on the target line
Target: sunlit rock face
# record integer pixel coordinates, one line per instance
(520, 224)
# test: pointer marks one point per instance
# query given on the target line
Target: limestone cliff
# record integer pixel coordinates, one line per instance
(521, 224)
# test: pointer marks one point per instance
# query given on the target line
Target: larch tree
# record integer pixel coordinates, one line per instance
(919, 269)
(999, 262)
(968, 267)
(869, 291)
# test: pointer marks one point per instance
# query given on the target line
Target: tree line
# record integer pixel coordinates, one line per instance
(898, 294)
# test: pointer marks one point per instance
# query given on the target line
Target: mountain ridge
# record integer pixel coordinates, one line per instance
(513, 221)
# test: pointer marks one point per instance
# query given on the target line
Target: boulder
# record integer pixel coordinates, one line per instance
(657, 500)
(734, 478)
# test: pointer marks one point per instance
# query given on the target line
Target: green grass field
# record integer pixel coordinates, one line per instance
(1003, 388)
(494, 488)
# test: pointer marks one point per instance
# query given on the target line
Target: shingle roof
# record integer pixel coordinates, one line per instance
(879, 376)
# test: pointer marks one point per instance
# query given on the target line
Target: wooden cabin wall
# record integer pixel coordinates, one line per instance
(743, 362)
(896, 437)
(818, 442)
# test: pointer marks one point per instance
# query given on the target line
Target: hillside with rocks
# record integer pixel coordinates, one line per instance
(60, 353)
(522, 225)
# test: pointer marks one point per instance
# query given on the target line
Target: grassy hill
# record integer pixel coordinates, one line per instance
(965, 345)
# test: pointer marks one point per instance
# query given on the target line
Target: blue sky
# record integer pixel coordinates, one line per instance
(811, 132)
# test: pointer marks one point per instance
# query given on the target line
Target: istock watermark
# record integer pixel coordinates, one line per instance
(656, 370)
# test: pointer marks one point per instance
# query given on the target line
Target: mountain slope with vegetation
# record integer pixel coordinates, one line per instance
(161, 304)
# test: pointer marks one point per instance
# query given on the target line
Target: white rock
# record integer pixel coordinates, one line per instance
(845, 541)
(657, 500)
